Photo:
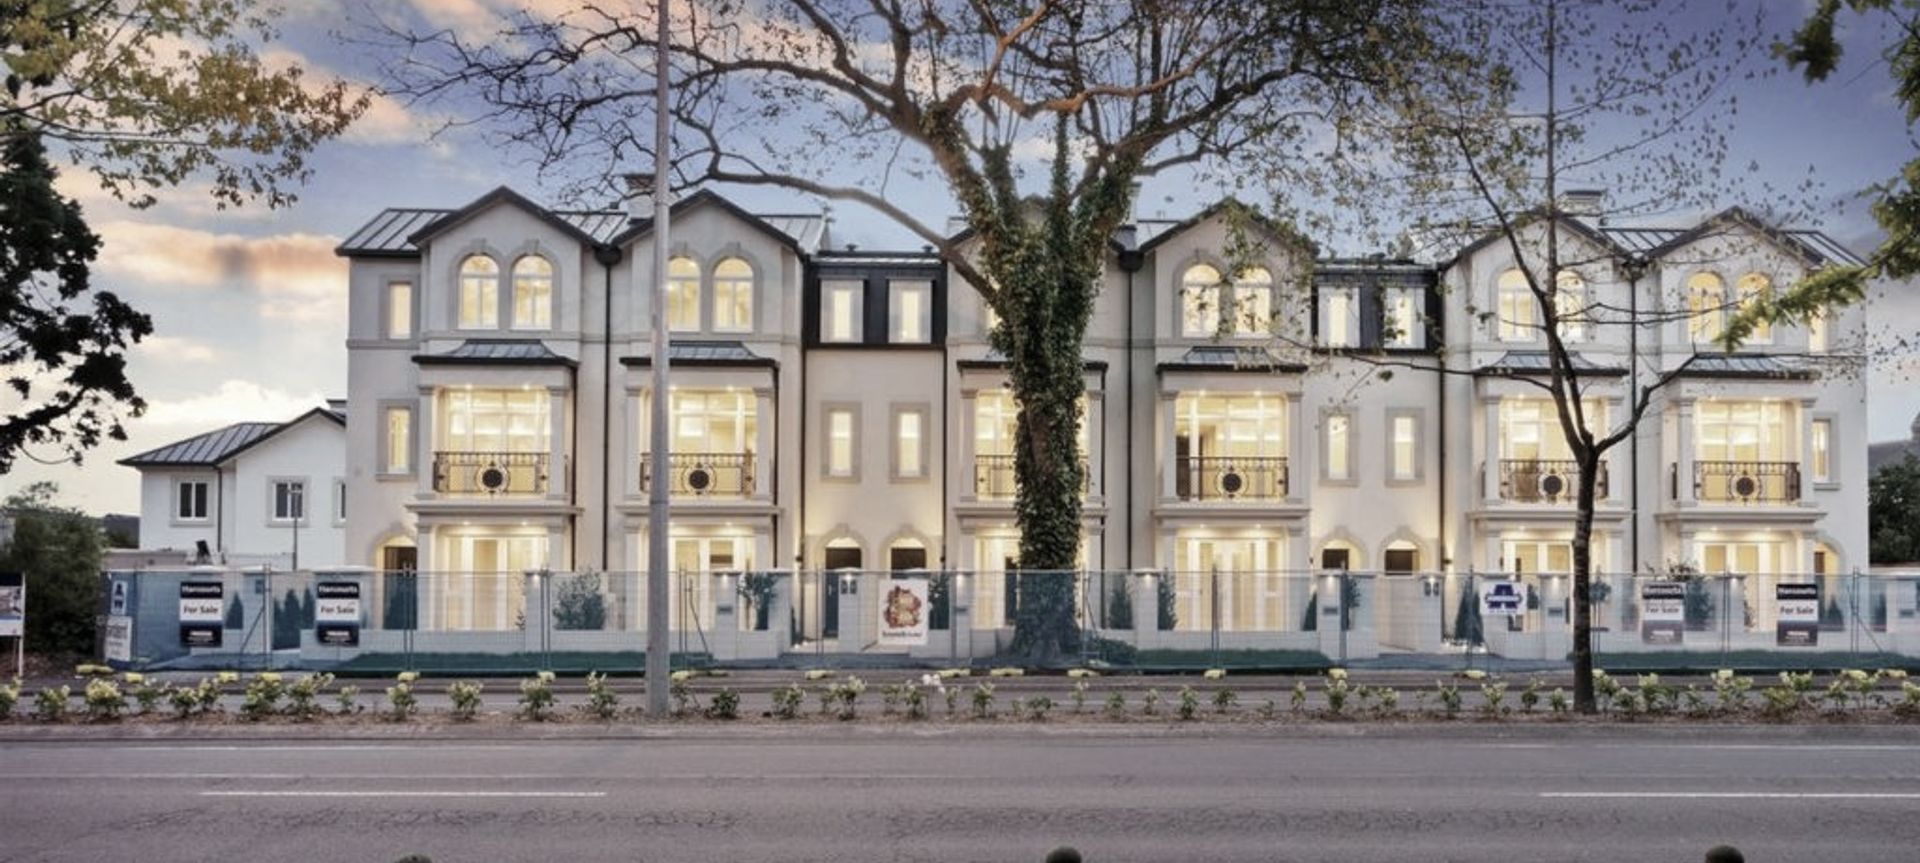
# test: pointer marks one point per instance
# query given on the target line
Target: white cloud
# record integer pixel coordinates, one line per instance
(233, 401)
(178, 349)
(295, 276)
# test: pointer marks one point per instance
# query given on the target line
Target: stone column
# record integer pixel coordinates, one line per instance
(763, 437)
(558, 406)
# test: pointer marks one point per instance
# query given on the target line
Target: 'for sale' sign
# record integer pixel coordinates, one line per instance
(1797, 615)
(336, 613)
(203, 606)
(1664, 619)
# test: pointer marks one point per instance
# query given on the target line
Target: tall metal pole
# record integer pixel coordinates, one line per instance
(658, 667)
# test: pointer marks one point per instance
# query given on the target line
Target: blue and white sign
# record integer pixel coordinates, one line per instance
(13, 604)
(1502, 599)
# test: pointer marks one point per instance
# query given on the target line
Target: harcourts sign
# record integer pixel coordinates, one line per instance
(336, 613)
(1664, 620)
(1797, 612)
(203, 606)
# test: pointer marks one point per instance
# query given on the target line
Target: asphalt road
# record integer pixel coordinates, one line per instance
(851, 793)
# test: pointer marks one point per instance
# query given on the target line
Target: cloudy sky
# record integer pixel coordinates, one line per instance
(249, 305)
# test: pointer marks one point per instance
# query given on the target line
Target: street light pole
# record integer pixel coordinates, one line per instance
(658, 668)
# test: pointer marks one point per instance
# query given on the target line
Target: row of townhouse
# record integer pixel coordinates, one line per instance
(835, 409)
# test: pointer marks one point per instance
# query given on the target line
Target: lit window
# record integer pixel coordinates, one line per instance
(289, 500)
(400, 310)
(1339, 317)
(192, 505)
(399, 442)
(1253, 303)
(683, 295)
(1406, 448)
(1570, 304)
(733, 296)
(909, 313)
(532, 293)
(479, 293)
(1823, 450)
(1402, 316)
(840, 442)
(1817, 332)
(495, 421)
(909, 442)
(1339, 447)
(1516, 308)
(1755, 289)
(840, 312)
(1200, 302)
(1706, 303)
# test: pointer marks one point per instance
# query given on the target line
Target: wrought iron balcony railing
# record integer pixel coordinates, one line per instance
(703, 474)
(1533, 480)
(1746, 481)
(1232, 478)
(993, 477)
(490, 473)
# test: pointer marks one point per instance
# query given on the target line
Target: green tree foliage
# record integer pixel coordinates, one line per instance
(578, 603)
(58, 548)
(1893, 512)
(143, 94)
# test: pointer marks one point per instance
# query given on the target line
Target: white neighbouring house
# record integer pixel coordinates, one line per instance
(256, 493)
(843, 411)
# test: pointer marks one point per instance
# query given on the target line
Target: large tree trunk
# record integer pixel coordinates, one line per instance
(1582, 581)
(1048, 383)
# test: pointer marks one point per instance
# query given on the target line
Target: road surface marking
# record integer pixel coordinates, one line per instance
(403, 794)
(1736, 795)
(1789, 747)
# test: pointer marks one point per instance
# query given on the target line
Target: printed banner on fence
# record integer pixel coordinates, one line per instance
(1502, 599)
(13, 605)
(1663, 619)
(1797, 615)
(203, 606)
(119, 642)
(336, 613)
(904, 610)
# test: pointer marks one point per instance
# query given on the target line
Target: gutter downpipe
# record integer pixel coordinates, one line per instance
(608, 257)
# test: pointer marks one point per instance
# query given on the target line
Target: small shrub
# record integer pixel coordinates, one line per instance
(50, 704)
(1189, 704)
(401, 702)
(1730, 691)
(787, 701)
(915, 697)
(1389, 701)
(1038, 707)
(465, 695)
(890, 696)
(1695, 703)
(1116, 705)
(1016, 707)
(1224, 700)
(1079, 696)
(725, 706)
(1337, 692)
(1268, 709)
(185, 701)
(952, 696)
(262, 697)
(346, 700)
(1627, 701)
(846, 693)
(1493, 697)
(1530, 696)
(146, 694)
(1862, 685)
(1908, 707)
(536, 697)
(602, 701)
(9, 697)
(303, 696)
(1655, 696)
(1557, 702)
(104, 700)
(1299, 700)
(1449, 696)
(983, 700)
(826, 696)
(1150, 702)
(1605, 688)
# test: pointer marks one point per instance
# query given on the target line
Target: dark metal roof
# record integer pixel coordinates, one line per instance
(1230, 359)
(392, 232)
(1765, 366)
(497, 352)
(1652, 242)
(1536, 363)
(204, 450)
(996, 360)
(706, 354)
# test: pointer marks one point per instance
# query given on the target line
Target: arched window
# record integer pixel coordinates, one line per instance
(1200, 301)
(1253, 302)
(479, 293)
(532, 293)
(1515, 308)
(1756, 288)
(1570, 304)
(1706, 306)
(733, 296)
(683, 295)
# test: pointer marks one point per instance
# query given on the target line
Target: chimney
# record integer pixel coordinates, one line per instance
(1585, 203)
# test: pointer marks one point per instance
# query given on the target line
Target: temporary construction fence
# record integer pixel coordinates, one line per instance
(507, 622)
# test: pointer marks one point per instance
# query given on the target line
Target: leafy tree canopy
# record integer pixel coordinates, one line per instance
(1893, 512)
(58, 548)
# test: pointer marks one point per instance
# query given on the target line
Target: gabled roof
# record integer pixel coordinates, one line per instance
(1222, 358)
(1168, 232)
(711, 354)
(500, 195)
(1530, 363)
(221, 445)
(799, 232)
(1815, 248)
(1567, 220)
(496, 352)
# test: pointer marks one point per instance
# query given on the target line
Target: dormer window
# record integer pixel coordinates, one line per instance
(479, 293)
(840, 313)
(1400, 318)
(532, 293)
(733, 296)
(1339, 317)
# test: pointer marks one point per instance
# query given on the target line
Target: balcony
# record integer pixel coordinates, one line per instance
(702, 474)
(1215, 478)
(1532, 480)
(993, 477)
(1746, 481)
(490, 474)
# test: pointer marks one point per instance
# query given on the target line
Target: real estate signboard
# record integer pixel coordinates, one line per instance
(203, 606)
(1502, 599)
(119, 640)
(904, 610)
(1797, 615)
(13, 604)
(1663, 616)
(336, 613)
